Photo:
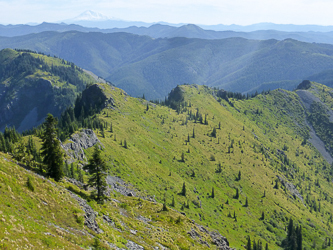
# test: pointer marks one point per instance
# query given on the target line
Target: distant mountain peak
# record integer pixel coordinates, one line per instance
(91, 15)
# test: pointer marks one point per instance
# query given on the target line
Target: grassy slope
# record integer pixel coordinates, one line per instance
(49, 218)
(32, 219)
(152, 162)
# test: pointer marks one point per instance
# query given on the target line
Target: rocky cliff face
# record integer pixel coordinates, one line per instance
(33, 85)
(86, 138)
(94, 97)
(27, 106)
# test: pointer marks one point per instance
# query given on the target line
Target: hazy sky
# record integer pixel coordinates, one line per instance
(174, 11)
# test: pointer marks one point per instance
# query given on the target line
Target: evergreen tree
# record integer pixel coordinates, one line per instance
(291, 229)
(66, 169)
(193, 135)
(213, 134)
(299, 238)
(30, 185)
(51, 150)
(237, 194)
(102, 132)
(246, 203)
(213, 193)
(183, 157)
(183, 192)
(164, 208)
(31, 150)
(72, 174)
(79, 173)
(19, 151)
(249, 246)
(239, 175)
(254, 245)
(173, 201)
(276, 186)
(294, 237)
(97, 169)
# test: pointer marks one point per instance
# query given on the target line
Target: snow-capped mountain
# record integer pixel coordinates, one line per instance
(90, 15)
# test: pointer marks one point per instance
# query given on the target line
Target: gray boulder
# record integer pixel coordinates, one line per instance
(86, 138)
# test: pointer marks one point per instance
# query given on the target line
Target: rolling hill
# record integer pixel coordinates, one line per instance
(167, 31)
(142, 65)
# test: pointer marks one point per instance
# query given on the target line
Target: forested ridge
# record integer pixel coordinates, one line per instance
(142, 65)
(242, 165)
(33, 84)
(203, 163)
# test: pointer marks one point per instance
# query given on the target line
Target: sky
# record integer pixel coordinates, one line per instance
(241, 12)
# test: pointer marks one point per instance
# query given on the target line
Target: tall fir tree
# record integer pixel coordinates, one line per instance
(51, 150)
(72, 174)
(294, 237)
(249, 246)
(97, 169)
(183, 192)
(237, 194)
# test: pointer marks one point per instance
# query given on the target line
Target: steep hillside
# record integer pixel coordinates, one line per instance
(248, 165)
(37, 213)
(142, 65)
(32, 85)
(241, 167)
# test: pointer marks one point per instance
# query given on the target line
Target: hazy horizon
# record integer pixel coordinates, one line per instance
(208, 12)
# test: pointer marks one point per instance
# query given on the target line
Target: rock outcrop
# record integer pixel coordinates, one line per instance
(35, 95)
(86, 138)
(89, 216)
(291, 187)
(120, 186)
(217, 239)
(94, 96)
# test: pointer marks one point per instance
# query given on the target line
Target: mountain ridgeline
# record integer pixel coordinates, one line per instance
(204, 168)
(32, 85)
(260, 32)
(143, 65)
(255, 169)
(245, 166)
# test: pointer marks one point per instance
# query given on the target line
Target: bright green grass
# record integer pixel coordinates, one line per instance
(152, 161)
(32, 218)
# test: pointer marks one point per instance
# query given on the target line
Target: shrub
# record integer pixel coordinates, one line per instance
(30, 185)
